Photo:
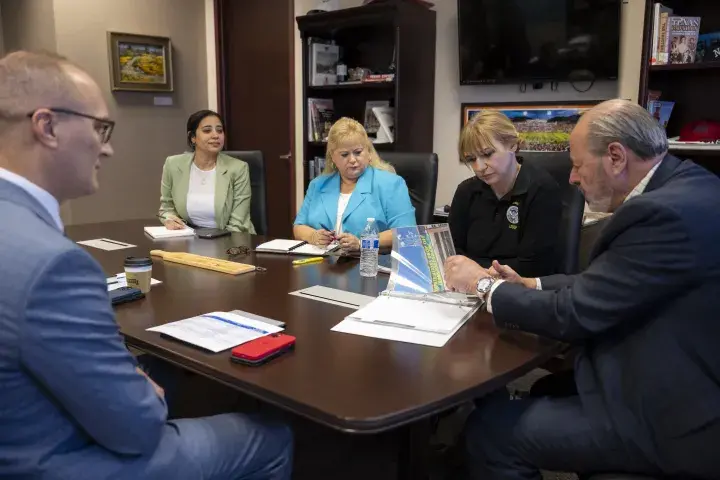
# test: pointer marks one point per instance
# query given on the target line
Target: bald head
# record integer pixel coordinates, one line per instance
(29, 81)
(626, 123)
(54, 123)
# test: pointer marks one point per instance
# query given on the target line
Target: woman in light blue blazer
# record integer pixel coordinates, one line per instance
(355, 186)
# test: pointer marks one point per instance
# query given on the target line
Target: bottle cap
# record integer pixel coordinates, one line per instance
(370, 219)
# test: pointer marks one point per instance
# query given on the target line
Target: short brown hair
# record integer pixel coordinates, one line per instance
(484, 127)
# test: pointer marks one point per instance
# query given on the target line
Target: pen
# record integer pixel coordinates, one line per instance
(306, 261)
(116, 243)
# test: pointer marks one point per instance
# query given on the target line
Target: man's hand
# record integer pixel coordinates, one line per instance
(173, 223)
(462, 274)
(322, 238)
(158, 389)
(506, 273)
(349, 243)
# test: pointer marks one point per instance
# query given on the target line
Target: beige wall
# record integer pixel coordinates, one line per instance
(449, 94)
(145, 134)
(18, 14)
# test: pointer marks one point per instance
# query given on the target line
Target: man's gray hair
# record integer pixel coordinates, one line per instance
(627, 123)
(30, 80)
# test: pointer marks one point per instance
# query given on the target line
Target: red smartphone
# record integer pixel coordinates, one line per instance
(263, 349)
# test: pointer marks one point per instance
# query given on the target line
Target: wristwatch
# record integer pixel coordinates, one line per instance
(483, 286)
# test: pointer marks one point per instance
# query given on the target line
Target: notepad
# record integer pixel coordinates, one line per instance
(217, 331)
(295, 247)
(163, 232)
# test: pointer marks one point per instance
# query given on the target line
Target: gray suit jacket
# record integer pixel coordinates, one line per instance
(71, 403)
(645, 315)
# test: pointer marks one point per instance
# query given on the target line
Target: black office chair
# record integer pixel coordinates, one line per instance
(558, 165)
(258, 202)
(420, 171)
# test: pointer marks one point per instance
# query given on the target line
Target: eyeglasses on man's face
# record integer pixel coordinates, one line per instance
(103, 126)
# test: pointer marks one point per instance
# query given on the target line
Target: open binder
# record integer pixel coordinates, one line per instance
(416, 297)
(417, 270)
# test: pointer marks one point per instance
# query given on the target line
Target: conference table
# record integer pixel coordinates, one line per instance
(351, 383)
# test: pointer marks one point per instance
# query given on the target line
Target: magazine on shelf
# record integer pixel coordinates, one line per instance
(683, 32)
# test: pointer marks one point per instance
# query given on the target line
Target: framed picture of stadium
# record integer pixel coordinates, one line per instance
(543, 126)
(141, 63)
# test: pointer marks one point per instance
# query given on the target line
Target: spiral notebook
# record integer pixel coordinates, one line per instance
(295, 247)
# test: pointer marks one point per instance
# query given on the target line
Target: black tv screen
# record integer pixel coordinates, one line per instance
(517, 41)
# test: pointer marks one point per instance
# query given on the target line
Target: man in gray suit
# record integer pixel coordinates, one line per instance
(73, 403)
(644, 316)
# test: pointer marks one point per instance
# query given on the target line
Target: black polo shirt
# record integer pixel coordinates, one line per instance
(519, 230)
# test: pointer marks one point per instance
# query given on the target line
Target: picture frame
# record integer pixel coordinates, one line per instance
(140, 63)
(543, 126)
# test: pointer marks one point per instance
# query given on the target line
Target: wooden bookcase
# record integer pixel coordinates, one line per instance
(368, 35)
(695, 87)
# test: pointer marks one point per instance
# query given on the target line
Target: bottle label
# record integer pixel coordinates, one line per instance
(370, 243)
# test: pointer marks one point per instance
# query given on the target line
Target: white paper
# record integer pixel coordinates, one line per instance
(413, 314)
(334, 296)
(313, 250)
(407, 335)
(217, 331)
(106, 244)
(278, 245)
(119, 281)
(162, 232)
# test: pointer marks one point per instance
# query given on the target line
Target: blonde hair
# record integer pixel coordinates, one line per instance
(349, 129)
(484, 127)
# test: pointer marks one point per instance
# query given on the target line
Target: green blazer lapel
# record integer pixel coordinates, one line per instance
(223, 179)
(181, 184)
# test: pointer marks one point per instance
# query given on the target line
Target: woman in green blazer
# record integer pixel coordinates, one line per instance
(205, 188)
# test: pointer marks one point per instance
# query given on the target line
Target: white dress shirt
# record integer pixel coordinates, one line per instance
(201, 197)
(43, 197)
(638, 190)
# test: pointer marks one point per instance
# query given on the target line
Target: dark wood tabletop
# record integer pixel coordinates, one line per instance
(348, 382)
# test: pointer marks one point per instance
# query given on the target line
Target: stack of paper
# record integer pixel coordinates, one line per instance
(295, 247)
(162, 232)
(407, 320)
(217, 331)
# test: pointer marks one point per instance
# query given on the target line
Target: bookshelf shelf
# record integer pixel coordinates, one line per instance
(712, 150)
(394, 36)
(354, 86)
(684, 66)
(692, 87)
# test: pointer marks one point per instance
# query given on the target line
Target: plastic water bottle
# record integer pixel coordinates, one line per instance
(369, 246)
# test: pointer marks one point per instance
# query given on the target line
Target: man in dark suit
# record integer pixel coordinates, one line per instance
(644, 316)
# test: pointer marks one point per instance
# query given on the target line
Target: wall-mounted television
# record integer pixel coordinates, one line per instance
(525, 41)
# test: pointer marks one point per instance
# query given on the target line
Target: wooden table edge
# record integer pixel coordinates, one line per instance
(346, 425)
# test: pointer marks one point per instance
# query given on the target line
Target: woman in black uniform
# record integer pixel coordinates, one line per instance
(508, 211)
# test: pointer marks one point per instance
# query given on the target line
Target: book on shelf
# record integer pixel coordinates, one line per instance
(708, 49)
(323, 60)
(661, 111)
(386, 119)
(683, 33)
(320, 118)
(316, 166)
(371, 122)
(660, 38)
